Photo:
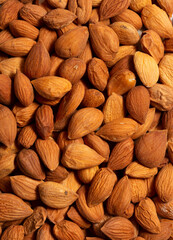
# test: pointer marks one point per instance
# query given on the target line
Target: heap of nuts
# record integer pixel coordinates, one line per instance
(86, 120)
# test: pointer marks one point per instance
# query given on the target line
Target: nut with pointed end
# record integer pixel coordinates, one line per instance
(146, 216)
(118, 228)
(84, 121)
(13, 208)
(92, 214)
(37, 63)
(112, 8)
(29, 163)
(146, 68)
(67, 230)
(44, 121)
(80, 156)
(151, 147)
(23, 89)
(101, 186)
(118, 130)
(55, 195)
(137, 103)
(164, 178)
(51, 87)
(8, 129)
(49, 152)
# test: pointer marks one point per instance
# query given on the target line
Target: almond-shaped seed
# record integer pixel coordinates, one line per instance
(118, 130)
(23, 89)
(156, 19)
(146, 216)
(165, 70)
(119, 227)
(8, 130)
(68, 105)
(98, 73)
(68, 45)
(92, 214)
(94, 17)
(121, 155)
(164, 209)
(127, 33)
(80, 156)
(17, 47)
(113, 108)
(120, 197)
(37, 63)
(137, 170)
(13, 232)
(84, 121)
(68, 230)
(112, 8)
(72, 69)
(6, 93)
(137, 103)
(57, 175)
(33, 14)
(93, 98)
(13, 208)
(151, 157)
(27, 136)
(29, 163)
(165, 232)
(104, 41)
(45, 233)
(49, 152)
(44, 121)
(59, 18)
(21, 28)
(146, 68)
(101, 186)
(55, 195)
(165, 177)
(51, 87)
(128, 16)
(9, 12)
(56, 215)
(25, 187)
